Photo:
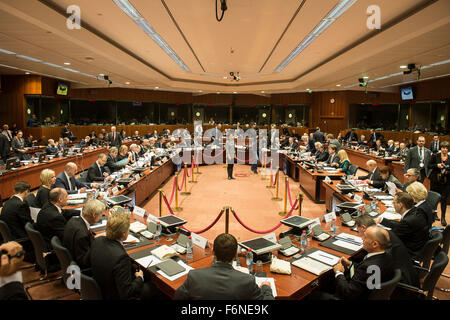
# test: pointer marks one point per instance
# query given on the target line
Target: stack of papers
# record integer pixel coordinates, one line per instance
(348, 241)
(260, 280)
(391, 215)
(311, 265)
(75, 201)
(77, 196)
(324, 257)
(131, 239)
(137, 227)
(164, 252)
(380, 197)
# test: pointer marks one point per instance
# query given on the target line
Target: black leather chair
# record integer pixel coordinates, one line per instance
(433, 199)
(428, 251)
(445, 244)
(64, 256)
(386, 288)
(90, 289)
(353, 168)
(426, 289)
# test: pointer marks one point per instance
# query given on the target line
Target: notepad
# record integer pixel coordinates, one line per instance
(391, 215)
(137, 227)
(131, 238)
(347, 245)
(75, 201)
(260, 280)
(77, 196)
(148, 261)
(170, 267)
(178, 275)
(324, 257)
(164, 252)
(311, 265)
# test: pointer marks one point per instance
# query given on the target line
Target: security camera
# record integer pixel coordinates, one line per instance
(412, 66)
(106, 77)
(232, 73)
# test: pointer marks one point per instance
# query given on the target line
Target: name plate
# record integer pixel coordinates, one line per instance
(114, 190)
(199, 241)
(358, 198)
(316, 221)
(139, 211)
(151, 218)
(329, 216)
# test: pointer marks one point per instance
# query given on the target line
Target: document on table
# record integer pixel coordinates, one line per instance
(77, 196)
(391, 216)
(349, 237)
(131, 238)
(324, 257)
(75, 201)
(384, 197)
(148, 261)
(347, 245)
(178, 275)
(102, 223)
(260, 280)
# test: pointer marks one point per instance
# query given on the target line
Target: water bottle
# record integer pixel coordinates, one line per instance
(158, 231)
(303, 241)
(189, 249)
(333, 227)
(249, 260)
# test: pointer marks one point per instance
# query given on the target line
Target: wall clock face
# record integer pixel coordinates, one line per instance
(332, 100)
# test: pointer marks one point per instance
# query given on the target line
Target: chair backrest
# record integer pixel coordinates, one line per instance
(31, 200)
(433, 199)
(83, 176)
(64, 256)
(353, 169)
(5, 232)
(446, 239)
(386, 288)
(439, 264)
(38, 244)
(89, 288)
(429, 249)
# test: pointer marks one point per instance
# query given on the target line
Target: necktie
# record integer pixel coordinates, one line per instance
(100, 169)
(70, 184)
(114, 136)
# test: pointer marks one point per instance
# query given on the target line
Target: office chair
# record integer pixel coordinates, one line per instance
(353, 168)
(64, 256)
(428, 251)
(426, 289)
(89, 289)
(386, 288)
(445, 244)
(433, 199)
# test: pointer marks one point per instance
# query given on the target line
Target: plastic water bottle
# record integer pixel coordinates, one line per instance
(189, 249)
(158, 231)
(333, 227)
(249, 260)
(303, 241)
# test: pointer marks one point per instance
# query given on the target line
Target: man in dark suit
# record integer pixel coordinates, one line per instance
(374, 172)
(18, 145)
(51, 147)
(413, 228)
(111, 265)
(412, 175)
(112, 164)
(321, 154)
(78, 237)
(114, 138)
(319, 136)
(221, 281)
(67, 181)
(86, 142)
(16, 211)
(66, 133)
(351, 136)
(97, 171)
(292, 145)
(4, 147)
(373, 137)
(52, 218)
(419, 157)
(331, 140)
(435, 145)
(333, 159)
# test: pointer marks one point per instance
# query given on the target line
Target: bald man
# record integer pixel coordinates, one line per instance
(374, 172)
(67, 181)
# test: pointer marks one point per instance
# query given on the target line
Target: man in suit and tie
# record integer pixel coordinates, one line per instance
(78, 237)
(7, 133)
(292, 145)
(333, 159)
(111, 162)
(374, 172)
(134, 151)
(373, 137)
(114, 138)
(51, 147)
(331, 140)
(221, 281)
(86, 142)
(435, 145)
(16, 211)
(4, 148)
(353, 285)
(419, 157)
(412, 175)
(18, 145)
(413, 227)
(351, 136)
(318, 136)
(321, 154)
(390, 147)
(97, 171)
(111, 265)
(52, 218)
(67, 181)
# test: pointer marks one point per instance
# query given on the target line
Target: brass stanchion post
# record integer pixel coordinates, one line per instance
(185, 193)
(263, 169)
(198, 172)
(161, 192)
(300, 200)
(283, 213)
(177, 208)
(192, 171)
(227, 218)
(277, 183)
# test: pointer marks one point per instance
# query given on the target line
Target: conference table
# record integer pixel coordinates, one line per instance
(310, 182)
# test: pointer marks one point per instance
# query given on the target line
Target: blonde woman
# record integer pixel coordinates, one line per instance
(48, 178)
(344, 162)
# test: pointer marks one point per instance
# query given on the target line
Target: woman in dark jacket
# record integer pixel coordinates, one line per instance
(440, 177)
(48, 178)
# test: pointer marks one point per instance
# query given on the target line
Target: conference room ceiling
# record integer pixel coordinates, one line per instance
(254, 38)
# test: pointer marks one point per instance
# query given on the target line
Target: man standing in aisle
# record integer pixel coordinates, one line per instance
(229, 149)
(114, 138)
(418, 157)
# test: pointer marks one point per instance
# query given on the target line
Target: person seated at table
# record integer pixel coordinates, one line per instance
(221, 281)
(30, 141)
(123, 153)
(51, 147)
(52, 218)
(86, 142)
(396, 150)
(403, 150)
(100, 140)
(123, 134)
(97, 171)
(92, 135)
(420, 195)
(351, 277)
(111, 265)
(33, 122)
(344, 162)
(136, 136)
(48, 178)
(398, 251)
(66, 133)
(67, 181)
(321, 154)
(78, 237)
(16, 211)
(112, 163)
(411, 175)
(333, 159)
(379, 146)
(134, 151)
(331, 140)
(374, 172)
(18, 145)
(60, 145)
(66, 143)
(362, 141)
(412, 228)
(351, 136)
(385, 176)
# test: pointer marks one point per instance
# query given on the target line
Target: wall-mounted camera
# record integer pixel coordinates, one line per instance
(234, 76)
(411, 68)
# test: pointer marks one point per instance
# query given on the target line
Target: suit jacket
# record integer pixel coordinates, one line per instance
(321, 156)
(94, 173)
(395, 152)
(42, 196)
(221, 282)
(413, 160)
(111, 268)
(66, 133)
(402, 260)
(62, 182)
(351, 136)
(381, 183)
(4, 147)
(112, 165)
(51, 150)
(117, 142)
(373, 138)
(413, 230)
(78, 240)
(18, 144)
(13, 291)
(16, 213)
(331, 160)
(355, 288)
(375, 176)
(434, 170)
(318, 136)
(336, 143)
(51, 223)
(435, 146)
(8, 134)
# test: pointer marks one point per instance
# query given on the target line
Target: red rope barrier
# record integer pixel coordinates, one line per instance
(173, 189)
(187, 173)
(263, 232)
(272, 179)
(215, 156)
(182, 182)
(289, 193)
